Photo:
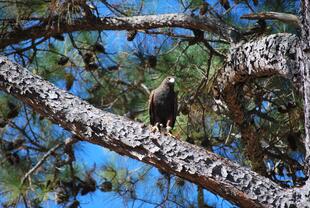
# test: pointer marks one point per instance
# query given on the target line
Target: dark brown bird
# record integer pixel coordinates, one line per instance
(163, 105)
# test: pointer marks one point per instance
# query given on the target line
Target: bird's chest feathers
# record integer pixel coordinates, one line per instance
(165, 98)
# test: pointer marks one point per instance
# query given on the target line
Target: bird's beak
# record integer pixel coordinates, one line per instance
(172, 80)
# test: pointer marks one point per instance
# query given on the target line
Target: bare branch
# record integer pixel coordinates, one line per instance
(40, 162)
(283, 17)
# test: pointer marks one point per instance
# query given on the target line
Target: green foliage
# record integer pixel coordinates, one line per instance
(10, 184)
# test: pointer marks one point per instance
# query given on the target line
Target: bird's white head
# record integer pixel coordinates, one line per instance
(171, 80)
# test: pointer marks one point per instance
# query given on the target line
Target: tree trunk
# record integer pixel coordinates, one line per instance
(304, 57)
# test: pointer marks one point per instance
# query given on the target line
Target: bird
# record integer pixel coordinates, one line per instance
(163, 105)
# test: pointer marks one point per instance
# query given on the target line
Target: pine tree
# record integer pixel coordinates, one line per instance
(255, 118)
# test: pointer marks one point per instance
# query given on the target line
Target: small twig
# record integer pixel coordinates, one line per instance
(25, 201)
(47, 154)
(167, 194)
(283, 17)
(145, 88)
(114, 9)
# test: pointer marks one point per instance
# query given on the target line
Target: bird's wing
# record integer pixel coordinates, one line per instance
(174, 108)
(152, 108)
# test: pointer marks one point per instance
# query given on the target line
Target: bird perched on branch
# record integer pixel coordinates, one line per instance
(163, 105)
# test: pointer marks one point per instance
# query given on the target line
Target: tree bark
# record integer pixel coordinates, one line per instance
(267, 56)
(304, 58)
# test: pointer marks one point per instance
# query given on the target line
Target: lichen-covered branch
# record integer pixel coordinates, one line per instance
(267, 56)
(278, 54)
(121, 23)
(221, 176)
(272, 55)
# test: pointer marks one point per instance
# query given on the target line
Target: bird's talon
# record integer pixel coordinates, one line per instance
(155, 128)
(168, 128)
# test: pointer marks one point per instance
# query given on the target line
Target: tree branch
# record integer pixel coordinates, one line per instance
(40, 162)
(271, 55)
(122, 23)
(221, 176)
(283, 17)
(278, 54)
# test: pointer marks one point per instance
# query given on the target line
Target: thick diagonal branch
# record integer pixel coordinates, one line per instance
(126, 137)
(121, 23)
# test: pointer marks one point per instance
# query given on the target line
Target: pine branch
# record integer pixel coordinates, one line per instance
(122, 23)
(40, 162)
(282, 17)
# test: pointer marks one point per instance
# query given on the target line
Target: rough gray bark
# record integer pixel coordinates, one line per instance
(271, 55)
(304, 67)
(122, 23)
(221, 176)
(304, 58)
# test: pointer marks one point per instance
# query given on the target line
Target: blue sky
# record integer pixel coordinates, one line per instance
(90, 154)
(93, 153)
